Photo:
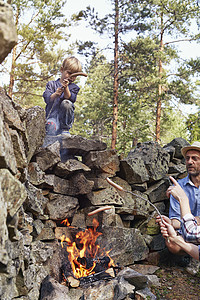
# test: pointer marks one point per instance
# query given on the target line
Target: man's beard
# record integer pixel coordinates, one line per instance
(194, 173)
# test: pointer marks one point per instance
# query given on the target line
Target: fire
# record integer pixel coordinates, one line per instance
(85, 254)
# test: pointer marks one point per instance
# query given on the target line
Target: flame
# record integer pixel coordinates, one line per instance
(65, 222)
(89, 250)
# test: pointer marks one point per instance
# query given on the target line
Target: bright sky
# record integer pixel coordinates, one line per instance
(103, 7)
(81, 32)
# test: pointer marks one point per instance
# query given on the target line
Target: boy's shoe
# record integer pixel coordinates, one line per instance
(51, 128)
(65, 133)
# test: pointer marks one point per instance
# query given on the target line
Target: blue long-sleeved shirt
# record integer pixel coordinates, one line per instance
(51, 87)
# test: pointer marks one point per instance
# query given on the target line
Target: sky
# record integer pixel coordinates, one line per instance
(81, 32)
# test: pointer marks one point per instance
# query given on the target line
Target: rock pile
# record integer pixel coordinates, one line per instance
(46, 180)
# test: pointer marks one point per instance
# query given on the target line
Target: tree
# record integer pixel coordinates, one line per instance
(126, 17)
(36, 56)
(193, 125)
(170, 18)
(93, 112)
(138, 94)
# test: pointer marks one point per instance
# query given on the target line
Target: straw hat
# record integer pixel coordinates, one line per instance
(194, 146)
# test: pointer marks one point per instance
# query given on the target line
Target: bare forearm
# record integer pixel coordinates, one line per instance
(175, 223)
(67, 93)
(191, 249)
(184, 206)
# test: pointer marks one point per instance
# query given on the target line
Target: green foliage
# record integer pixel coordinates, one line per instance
(40, 25)
(93, 113)
(193, 125)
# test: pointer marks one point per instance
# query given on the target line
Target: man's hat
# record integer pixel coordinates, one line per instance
(194, 146)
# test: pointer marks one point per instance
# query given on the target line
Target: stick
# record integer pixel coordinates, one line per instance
(78, 74)
(118, 187)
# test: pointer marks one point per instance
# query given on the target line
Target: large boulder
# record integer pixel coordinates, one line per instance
(8, 34)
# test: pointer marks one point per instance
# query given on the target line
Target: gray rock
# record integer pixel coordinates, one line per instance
(108, 196)
(157, 192)
(49, 156)
(134, 203)
(8, 34)
(69, 167)
(133, 277)
(13, 191)
(35, 175)
(19, 149)
(178, 143)
(61, 207)
(53, 290)
(35, 201)
(106, 161)
(7, 157)
(4, 231)
(133, 170)
(155, 158)
(134, 248)
(77, 145)
(35, 129)
(11, 116)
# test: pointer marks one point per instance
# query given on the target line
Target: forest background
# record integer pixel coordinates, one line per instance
(141, 83)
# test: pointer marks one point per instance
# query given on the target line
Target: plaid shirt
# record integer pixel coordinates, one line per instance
(190, 229)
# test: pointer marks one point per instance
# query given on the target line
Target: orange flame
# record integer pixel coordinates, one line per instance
(89, 249)
(65, 222)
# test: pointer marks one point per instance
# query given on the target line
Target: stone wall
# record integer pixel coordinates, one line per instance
(46, 180)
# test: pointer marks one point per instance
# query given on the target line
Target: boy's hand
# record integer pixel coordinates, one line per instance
(165, 218)
(167, 229)
(59, 91)
(65, 83)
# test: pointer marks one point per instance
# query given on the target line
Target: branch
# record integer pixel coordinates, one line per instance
(27, 93)
(177, 41)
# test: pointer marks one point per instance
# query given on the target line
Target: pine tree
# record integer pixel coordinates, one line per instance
(37, 56)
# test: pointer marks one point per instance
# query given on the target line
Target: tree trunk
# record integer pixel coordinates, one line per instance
(14, 55)
(116, 83)
(159, 101)
(12, 76)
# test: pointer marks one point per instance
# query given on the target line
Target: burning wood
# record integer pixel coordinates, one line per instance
(86, 258)
(73, 282)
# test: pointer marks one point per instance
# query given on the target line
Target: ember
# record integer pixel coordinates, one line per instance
(84, 254)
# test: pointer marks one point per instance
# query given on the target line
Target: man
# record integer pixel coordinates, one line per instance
(191, 186)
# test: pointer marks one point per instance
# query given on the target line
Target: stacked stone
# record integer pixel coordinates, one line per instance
(46, 180)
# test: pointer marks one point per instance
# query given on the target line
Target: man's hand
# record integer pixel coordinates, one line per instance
(176, 190)
(179, 195)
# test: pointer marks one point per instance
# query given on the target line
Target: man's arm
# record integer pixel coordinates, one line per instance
(178, 193)
(175, 223)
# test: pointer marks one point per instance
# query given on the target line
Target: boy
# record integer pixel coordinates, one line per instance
(60, 96)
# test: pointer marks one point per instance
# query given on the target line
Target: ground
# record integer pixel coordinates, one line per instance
(177, 283)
